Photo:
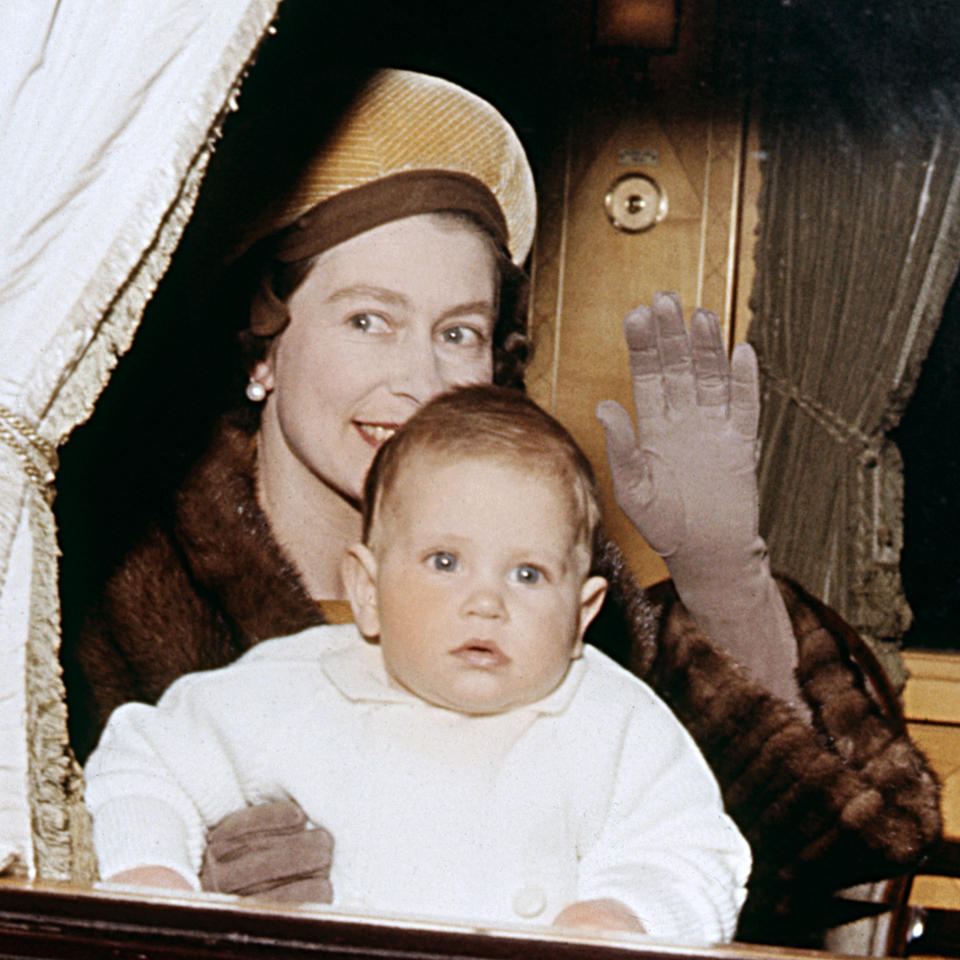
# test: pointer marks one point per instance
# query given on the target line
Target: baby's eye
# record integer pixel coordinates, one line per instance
(443, 561)
(526, 573)
(368, 323)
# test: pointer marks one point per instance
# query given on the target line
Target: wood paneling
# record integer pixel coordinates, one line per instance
(587, 274)
(932, 693)
(932, 706)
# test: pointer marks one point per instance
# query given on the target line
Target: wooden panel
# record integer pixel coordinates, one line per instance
(932, 706)
(588, 275)
(937, 893)
(747, 230)
(941, 745)
(942, 748)
(933, 690)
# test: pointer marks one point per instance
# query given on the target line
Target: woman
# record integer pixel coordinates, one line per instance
(387, 275)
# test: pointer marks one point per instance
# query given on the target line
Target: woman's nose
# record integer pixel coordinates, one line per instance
(416, 371)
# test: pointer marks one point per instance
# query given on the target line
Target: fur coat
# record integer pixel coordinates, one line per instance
(824, 807)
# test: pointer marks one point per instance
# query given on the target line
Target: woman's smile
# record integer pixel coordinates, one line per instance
(376, 434)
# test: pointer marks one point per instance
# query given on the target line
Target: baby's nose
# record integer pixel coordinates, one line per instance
(485, 601)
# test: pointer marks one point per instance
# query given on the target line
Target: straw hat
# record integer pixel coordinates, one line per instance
(409, 143)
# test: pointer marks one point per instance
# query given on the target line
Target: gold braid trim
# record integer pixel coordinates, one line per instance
(37, 454)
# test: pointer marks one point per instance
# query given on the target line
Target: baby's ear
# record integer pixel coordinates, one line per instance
(592, 594)
(359, 572)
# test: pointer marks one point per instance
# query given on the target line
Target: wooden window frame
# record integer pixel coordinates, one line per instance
(62, 922)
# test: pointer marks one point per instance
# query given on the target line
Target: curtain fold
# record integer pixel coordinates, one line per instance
(858, 246)
(111, 112)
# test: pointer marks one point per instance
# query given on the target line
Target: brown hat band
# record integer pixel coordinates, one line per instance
(405, 194)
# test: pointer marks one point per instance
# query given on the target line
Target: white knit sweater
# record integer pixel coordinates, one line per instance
(595, 791)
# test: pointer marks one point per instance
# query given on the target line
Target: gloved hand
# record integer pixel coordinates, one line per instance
(268, 851)
(687, 481)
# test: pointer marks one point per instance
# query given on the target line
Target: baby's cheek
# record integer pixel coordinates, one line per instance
(407, 604)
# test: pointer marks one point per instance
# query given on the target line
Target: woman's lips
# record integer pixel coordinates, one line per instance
(376, 434)
(481, 653)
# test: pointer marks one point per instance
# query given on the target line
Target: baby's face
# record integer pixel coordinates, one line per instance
(482, 594)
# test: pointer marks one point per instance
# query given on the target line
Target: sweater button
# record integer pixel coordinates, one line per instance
(529, 901)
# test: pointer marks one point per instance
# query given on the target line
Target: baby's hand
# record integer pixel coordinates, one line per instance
(149, 876)
(607, 914)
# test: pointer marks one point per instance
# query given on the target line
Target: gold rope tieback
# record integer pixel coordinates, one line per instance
(846, 434)
(38, 455)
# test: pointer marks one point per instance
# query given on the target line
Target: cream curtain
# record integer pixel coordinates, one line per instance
(110, 112)
(858, 247)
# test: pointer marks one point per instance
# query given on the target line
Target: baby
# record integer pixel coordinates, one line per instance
(472, 758)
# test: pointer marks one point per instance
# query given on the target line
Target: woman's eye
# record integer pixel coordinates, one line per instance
(461, 335)
(368, 322)
(443, 561)
(527, 573)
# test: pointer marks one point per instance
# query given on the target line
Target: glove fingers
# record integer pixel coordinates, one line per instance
(676, 356)
(309, 890)
(618, 427)
(250, 868)
(282, 816)
(631, 478)
(744, 391)
(265, 848)
(653, 503)
(711, 368)
(640, 331)
(316, 843)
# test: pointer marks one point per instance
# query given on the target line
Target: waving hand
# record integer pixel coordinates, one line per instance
(686, 479)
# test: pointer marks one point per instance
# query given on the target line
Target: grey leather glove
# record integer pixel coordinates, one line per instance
(268, 851)
(687, 481)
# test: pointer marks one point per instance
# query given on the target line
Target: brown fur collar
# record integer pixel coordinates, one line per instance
(230, 548)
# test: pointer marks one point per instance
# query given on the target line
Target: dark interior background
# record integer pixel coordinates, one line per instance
(929, 441)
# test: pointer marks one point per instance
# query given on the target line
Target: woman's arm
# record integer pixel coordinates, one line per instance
(196, 591)
(825, 803)
(825, 783)
(204, 583)
(687, 481)
(151, 625)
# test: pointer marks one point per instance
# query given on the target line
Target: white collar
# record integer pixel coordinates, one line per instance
(358, 672)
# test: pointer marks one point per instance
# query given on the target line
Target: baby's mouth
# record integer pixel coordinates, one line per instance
(376, 434)
(481, 653)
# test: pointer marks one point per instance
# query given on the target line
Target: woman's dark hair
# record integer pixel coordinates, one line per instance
(512, 348)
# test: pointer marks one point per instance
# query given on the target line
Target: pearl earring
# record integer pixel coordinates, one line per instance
(256, 391)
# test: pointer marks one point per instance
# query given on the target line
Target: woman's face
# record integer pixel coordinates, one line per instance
(382, 323)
